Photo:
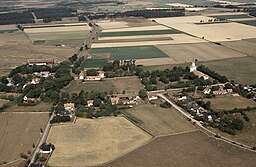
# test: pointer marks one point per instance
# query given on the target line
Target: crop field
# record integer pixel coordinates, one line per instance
(244, 68)
(187, 150)
(212, 32)
(70, 35)
(159, 121)
(41, 107)
(18, 132)
(200, 51)
(230, 102)
(130, 52)
(248, 22)
(92, 63)
(235, 16)
(131, 85)
(245, 46)
(91, 142)
(135, 33)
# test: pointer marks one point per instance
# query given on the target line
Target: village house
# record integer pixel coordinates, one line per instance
(46, 148)
(35, 81)
(100, 76)
(41, 62)
(30, 100)
(152, 97)
(90, 103)
(207, 90)
(69, 107)
(114, 100)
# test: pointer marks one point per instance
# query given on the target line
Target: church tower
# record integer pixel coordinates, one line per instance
(193, 66)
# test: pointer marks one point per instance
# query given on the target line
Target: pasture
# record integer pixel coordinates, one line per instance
(130, 52)
(159, 121)
(230, 102)
(200, 51)
(91, 142)
(93, 63)
(18, 132)
(187, 150)
(131, 85)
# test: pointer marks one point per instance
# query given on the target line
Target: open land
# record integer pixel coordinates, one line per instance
(41, 107)
(197, 150)
(130, 52)
(241, 69)
(230, 102)
(243, 46)
(159, 121)
(131, 85)
(92, 142)
(18, 132)
(200, 51)
(212, 32)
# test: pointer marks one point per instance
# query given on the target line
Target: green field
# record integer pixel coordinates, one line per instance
(9, 31)
(249, 22)
(93, 63)
(135, 33)
(238, 16)
(130, 52)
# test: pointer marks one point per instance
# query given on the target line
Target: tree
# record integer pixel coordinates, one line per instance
(97, 102)
(143, 94)
(208, 105)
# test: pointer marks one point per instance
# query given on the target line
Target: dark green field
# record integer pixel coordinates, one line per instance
(249, 22)
(93, 63)
(135, 33)
(235, 16)
(130, 52)
(8, 31)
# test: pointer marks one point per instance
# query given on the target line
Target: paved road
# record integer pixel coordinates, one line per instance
(41, 140)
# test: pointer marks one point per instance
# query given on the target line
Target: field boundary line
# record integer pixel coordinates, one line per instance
(9, 163)
(178, 133)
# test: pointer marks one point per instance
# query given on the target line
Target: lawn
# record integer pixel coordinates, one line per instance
(136, 33)
(230, 102)
(159, 121)
(249, 22)
(235, 16)
(18, 133)
(93, 63)
(131, 85)
(130, 52)
(91, 142)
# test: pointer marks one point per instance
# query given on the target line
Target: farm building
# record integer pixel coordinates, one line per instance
(90, 103)
(81, 75)
(41, 62)
(152, 97)
(69, 107)
(101, 74)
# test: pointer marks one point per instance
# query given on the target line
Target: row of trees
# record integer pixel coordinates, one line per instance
(213, 74)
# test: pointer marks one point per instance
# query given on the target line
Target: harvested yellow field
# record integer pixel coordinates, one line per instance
(135, 37)
(91, 142)
(156, 61)
(58, 29)
(213, 32)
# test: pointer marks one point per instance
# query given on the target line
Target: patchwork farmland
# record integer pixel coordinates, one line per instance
(93, 142)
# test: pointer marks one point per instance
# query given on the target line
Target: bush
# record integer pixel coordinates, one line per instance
(165, 105)
(24, 156)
